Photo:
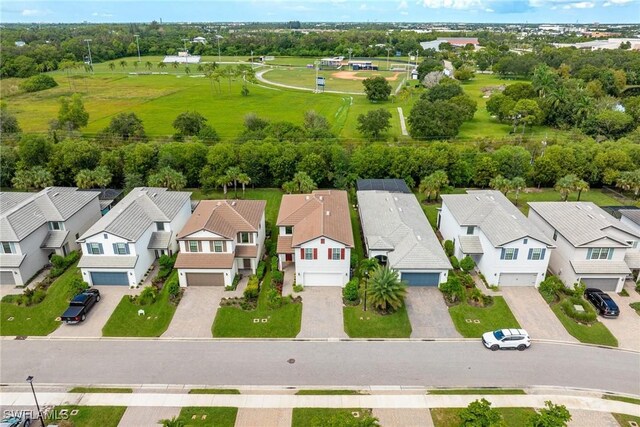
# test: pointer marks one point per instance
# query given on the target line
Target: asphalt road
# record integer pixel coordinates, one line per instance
(355, 363)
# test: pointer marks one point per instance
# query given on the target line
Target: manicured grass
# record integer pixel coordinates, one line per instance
(39, 319)
(283, 322)
(357, 231)
(497, 316)
(100, 390)
(369, 324)
(215, 416)
(596, 333)
(478, 391)
(512, 417)
(214, 391)
(90, 416)
(636, 307)
(125, 321)
(328, 392)
(624, 419)
(320, 417)
(621, 398)
(595, 195)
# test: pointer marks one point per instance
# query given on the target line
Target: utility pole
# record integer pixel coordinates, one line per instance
(89, 49)
(137, 36)
(317, 64)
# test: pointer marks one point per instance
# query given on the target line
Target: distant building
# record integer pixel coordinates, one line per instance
(200, 40)
(613, 43)
(183, 57)
(453, 41)
(336, 61)
(20, 43)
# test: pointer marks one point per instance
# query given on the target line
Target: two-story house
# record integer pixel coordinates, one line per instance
(120, 247)
(33, 226)
(221, 238)
(591, 244)
(314, 233)
(631, 218)
(509, 250)
(397, 233)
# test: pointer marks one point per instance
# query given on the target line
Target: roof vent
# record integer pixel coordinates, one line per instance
(233, 203)
(328, 213)
(477, 198)
(513, 216)
(154, 195)
(399, 209)
(56, 194)
(419, 237)
(321, 198)
(306, 197)
(578, 206)
(591, 216)
(395, 198)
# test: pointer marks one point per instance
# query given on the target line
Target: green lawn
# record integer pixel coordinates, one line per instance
(320, 417)
(214, 391)
(596, 333)
(625, 420)
(125, 321)
(636, 307)
(328, 392)
(100, 390)
(512, 417)
(90, 416)
(477, 391)
(357, 231)
(215, 416)
(621, 398)
(283, 322)
(39, 319)
(497, 316)
(369, 324)
(595, 195)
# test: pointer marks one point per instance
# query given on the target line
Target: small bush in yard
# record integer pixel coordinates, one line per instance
(453, 290)
(147, 296)
(467, 264)
(350, 291)
(277, 278)
(77, 286)
(578, 289)
(60, 264)
(274, 263)
(260, 270)
(252, 290)
(466, 280)
(173, 287)
(448, 248)
(587, 316)
(298, 288)
(550, 288)
(454, 262)
(274, 299)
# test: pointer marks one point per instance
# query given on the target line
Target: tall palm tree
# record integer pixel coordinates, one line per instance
(233, 175)
(148, 65)
(244, 179)
(580, 186)
(42, 178)
(385, 290)
(112, 66)
(565, 185)
(187, 70)
(440, 180)
(167, 177)
(518, 184)
(161, 65)
(123, 64)
(102, 176)
(501, 184)
(175, 64)
(629, 181)
(427, 187)
(84, 179)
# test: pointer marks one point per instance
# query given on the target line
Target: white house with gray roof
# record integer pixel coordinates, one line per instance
(591, 244)
(397, 233)
(509, 250)
(120, 247)
(33, 226)
(631, 218)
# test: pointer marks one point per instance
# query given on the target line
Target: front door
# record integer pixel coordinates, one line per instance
(288, 257)
(246, 263)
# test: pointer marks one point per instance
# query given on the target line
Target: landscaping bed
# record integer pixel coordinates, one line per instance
(87, 416)
(200, 416)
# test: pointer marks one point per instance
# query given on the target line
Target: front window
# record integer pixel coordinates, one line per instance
(335, 253)
(288, 230)
(600, 253)
(535, 254)
(217, 246)
(509, 254)
(308, 253)
(95, 248)
(470, 229)
(56, 225)
(243, 238)
(160, 226)
(7, 248)
(121, 248)
(193, 246)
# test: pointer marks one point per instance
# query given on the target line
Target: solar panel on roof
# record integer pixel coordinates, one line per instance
(391, 185)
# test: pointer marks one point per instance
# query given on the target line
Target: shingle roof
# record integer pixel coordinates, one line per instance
(54, 239)
(23, 213)
(580, 222)
(225, 218)
(159, 240)
(138, 210)
(397, 220)
(599, 266)
(632, 214)
(204, 260)
(321, 213)
(494, 214)
(102, 261)
(11, 260)
(470, 245)
(246, 251)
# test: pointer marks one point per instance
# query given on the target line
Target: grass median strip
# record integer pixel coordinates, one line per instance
(100, 390)
(511, 417)
(478, 391)
(626, 399)
(200, 416)
(214, 391)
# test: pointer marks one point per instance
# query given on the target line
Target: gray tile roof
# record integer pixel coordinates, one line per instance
(159, 240)
(580, 222)
(137, 211)
(102, 261)
(604, 266)
(23, 213)
(494, 214)
(54, 239)
(11, 260)
(632, 214)
(470, 245)
(397, 220)
(632, 258)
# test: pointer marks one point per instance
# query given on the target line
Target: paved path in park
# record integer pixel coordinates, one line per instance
(403, 125)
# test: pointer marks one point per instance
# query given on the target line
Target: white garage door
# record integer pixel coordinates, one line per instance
(7, 278)
(602, 283)
(517, 279)
(323, 279)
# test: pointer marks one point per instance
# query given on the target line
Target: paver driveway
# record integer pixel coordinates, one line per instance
(264, 417)
(110, 297)
(195, 313)
(322, 313)
(626, 327)
(582, 418)
(147, 416)
(403, 417)
(534, 314)
(428, 314)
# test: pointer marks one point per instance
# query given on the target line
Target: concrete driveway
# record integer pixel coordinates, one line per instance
(428, 314)
(626, 327)
(322, 312)
(534, 314)
(110, 297)
(195, 313)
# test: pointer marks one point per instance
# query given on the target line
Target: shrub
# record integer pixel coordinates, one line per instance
(550, 289)
(260, 270)
(277, 278)
(173, 287)
(448, 248)
(452, 289)
(274, 299)
(298, 288)
(252, 290)
(454, 262)
(350, 291)
(77, 286)
(60, 264)
(274, 263)
(167, 262)
(587, 316)
(147, 297)
(578, 289)
(38, 83)
(467, 264)
(466, 280)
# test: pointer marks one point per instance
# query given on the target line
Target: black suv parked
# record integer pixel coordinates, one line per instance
(606, 306)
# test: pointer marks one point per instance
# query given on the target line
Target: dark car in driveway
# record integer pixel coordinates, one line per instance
(80, 306)
(603, 303)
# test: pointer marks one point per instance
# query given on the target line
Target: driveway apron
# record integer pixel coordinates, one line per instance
(428, 314)
(195, 313)
(147, 416)
(322, 313)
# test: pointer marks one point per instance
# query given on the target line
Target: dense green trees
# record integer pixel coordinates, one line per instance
(189, 123)
(126, 126)
(8, 122)
(37, 83)
(377, 88)
(72, 114)
(374, 123)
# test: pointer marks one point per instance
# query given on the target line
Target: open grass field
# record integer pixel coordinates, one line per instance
(342, 80)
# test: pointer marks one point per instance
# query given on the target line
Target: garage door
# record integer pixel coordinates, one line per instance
(517, 279)
(205, 279)
(323, 279)
(7, 278)
(421, 279)
(605, 284)
(103, 278)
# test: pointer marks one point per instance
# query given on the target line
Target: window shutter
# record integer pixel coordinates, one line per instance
(89, 248)
(589, 253)
(530, 254)
(502, 254)
(100, 247)
(342, 253)
(301, 253)
(115, 249)
(315, 253)
(515, 254)
(126, 248)
(329, 254)
(544, 250)
(610, 253)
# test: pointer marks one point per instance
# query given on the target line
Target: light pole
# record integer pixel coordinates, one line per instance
(89, 49)
(388, 51)
(350, 51)
(137, 44)
(218, 37)
(317, 64)
(30, 381)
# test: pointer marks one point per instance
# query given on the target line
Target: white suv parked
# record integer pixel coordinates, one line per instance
(506, 338)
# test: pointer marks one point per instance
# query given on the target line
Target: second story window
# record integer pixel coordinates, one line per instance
(244, 238)
(600, 253)
(509, 254)
(536, 254)
(193, 246)
(95, 248)
(160, 226)
(218, 246)
(288, 230)
(56, 225)
(308, 253)
(336, 253)
(8, 248)
(121, 249)
(470, 229)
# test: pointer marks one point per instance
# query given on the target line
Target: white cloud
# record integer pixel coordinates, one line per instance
(580, 5)
(403, 5)
(452, 4)
(102, 15)
(616, 2)
(489, 10)
(34, 12)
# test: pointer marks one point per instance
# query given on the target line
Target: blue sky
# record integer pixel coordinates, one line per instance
(517, 11)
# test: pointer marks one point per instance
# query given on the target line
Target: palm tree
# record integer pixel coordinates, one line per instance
(162, 65)
(305, 183)
(148, 65)
(440, 180)
(175, 64)
(23, 180)
(112, 66)
(42, 178)
(427, 187)
(123, 64)
(386, 291)
(518, 184)
(565, 185)
(84, 179)
(629, 181)
(544, 80)
(580, 186)
(367, 265)
(187, 70)
(233, 175)
(502, 184)
(244, 179)
(102, 176)
(223, 181)
(167, 177)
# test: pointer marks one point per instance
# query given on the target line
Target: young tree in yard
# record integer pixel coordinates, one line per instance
(167, 177)
(374, 123)
(385, 290)
(72, 114)
(518, 184)
(551, 416)
(34, 150)
(126, 126)
(580, 185)
(301, 183)
(480, 414)
(440, 180)
(467, 264)
(452, 289)
(566, 185)
(501, 184)
(8, 122)
(500, 106)
(189, 123)
(377, 88)
(630, 181)
(463, 73)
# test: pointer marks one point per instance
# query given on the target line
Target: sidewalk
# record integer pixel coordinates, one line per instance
(380, 401)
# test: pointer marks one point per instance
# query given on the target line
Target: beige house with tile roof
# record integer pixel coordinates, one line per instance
(315, 235)
(222, 238)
